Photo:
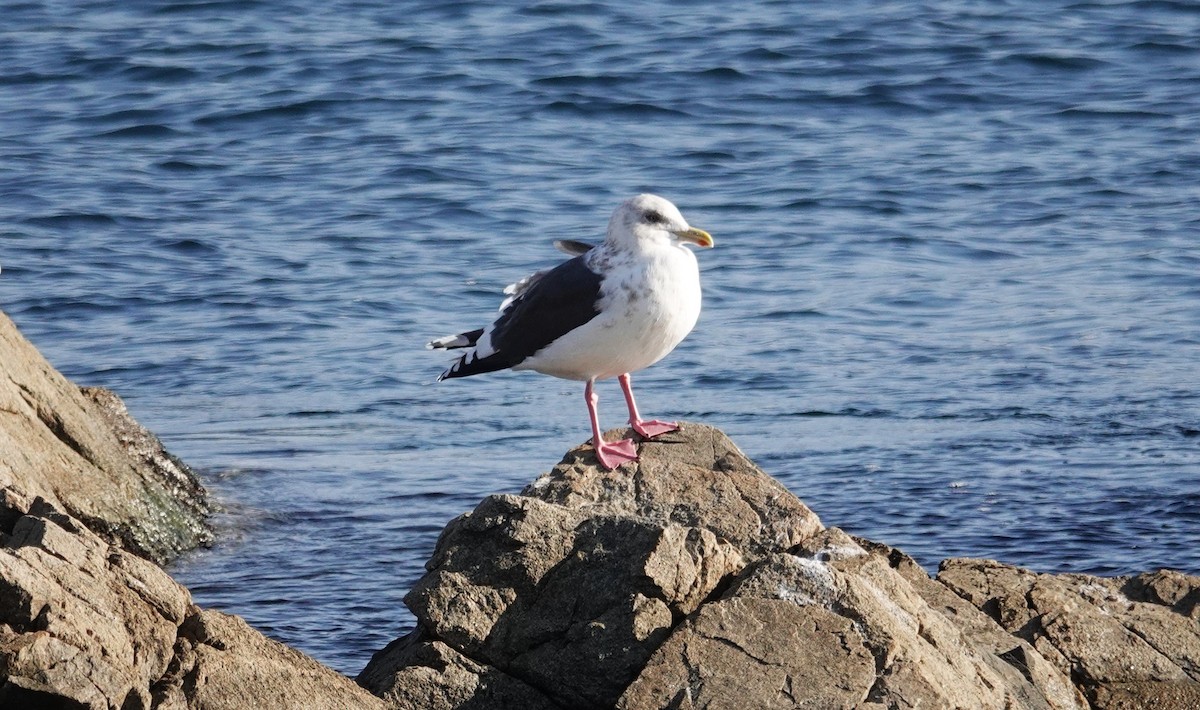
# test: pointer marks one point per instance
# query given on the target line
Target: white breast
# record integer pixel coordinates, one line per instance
(649, 303)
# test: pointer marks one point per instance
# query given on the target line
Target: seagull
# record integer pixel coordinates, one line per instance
(612, 309)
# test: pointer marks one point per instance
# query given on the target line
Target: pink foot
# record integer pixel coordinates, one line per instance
(653, 428)
(618, 452)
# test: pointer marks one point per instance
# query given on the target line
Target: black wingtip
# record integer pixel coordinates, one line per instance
(469, 365)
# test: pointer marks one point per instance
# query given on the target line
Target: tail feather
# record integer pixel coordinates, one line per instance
(450, 342)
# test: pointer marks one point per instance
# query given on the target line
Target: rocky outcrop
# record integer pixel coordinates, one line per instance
(86, 624)
(832, 624)
(691, 579)
(583, 575)
(80, 449)
(1126, 642)
(87, 499)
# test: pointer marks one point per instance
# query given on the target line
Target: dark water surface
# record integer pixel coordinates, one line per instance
(954, 304)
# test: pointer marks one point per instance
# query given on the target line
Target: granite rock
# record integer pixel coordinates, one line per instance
(585, 573)
(1126, 642)
(692, 579)
(86, 624)
(833, 624)
(79, 449)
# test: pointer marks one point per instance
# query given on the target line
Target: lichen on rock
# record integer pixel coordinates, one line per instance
(79, 449)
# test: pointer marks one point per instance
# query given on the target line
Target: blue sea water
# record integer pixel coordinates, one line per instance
(954, 303)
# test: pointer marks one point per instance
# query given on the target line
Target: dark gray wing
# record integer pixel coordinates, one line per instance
(545, 309)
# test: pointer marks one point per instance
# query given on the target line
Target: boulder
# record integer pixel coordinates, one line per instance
(586, 573)
(80, 450)
(689, 579)
(832, 623)
(1127, 642)
(413, 674)
(86, 624)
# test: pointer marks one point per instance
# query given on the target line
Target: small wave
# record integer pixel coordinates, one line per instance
(33, 77)
(788, 314)
(1185, 7)
(1160, 47)
(77, 307)
(580, 80)
(186, 166)
(149, 130)
(290, 110)
(129, 115)
(205, 6)
(803, 204)
(1005, 413)
(604, 108)
(142, 72)
(1091, 112)
(764, 54)
(879, 96)
(71, 219)
(191, 246)
(845, 412)
(974, 253)
(719, 73)
(1062, 62)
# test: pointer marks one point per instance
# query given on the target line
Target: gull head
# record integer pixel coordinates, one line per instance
(652, 220)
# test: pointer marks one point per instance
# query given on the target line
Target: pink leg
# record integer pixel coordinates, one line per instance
(609, 455)
(648, 429)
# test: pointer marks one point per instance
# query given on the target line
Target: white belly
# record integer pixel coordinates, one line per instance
(647, 308)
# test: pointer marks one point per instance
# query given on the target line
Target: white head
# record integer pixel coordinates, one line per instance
(650, 219)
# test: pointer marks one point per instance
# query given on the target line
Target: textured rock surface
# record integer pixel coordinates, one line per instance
(695, 477)
(412, 674)
(86, 624)
(586, 573)
(1127, 642)
(1001, 649)
(691, 579)
(831, 624)
(80, 450)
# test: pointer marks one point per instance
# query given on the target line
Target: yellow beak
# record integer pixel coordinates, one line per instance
(696, 236)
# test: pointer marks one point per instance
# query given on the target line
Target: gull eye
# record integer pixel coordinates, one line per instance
(655, 217)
